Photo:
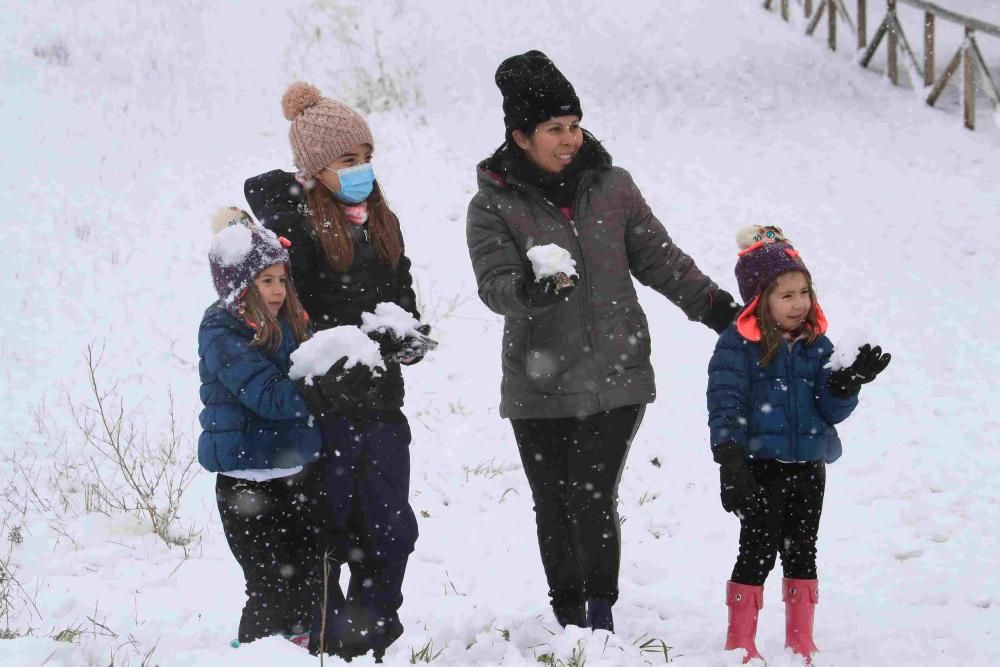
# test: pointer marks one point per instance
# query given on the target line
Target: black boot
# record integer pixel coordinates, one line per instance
(570, 612)
(599, 615)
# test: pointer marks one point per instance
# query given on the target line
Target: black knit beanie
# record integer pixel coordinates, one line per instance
(534, 91)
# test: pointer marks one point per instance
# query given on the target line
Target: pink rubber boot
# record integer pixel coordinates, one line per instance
(801, 597)
(744, 603)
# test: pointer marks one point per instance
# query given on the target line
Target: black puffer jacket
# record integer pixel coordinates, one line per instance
(333, 298)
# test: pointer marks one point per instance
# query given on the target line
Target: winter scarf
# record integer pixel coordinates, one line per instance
(560, 188)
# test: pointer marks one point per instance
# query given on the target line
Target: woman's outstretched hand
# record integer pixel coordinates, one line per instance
(722, 310)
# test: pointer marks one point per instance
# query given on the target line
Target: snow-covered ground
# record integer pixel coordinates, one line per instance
(126, 125)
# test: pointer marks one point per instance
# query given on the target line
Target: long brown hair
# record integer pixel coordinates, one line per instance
(266, 327)
(326, 216)
(770, 335)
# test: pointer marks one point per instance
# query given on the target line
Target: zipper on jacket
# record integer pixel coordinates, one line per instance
(587, 312)
(793, 416)
(587, 316)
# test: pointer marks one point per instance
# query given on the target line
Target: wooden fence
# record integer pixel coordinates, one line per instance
(968, 57)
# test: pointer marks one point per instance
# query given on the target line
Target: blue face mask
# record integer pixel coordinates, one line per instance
(355, 183)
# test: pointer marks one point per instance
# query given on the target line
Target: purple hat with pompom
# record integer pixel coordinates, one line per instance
(761, 263)
(240, 250)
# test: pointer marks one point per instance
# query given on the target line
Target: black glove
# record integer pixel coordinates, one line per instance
(722, 310)
(739, 490)
(870, 362)
(416, 347)
(406, 351)
(548, 290)
(389, 343)
(337, 388)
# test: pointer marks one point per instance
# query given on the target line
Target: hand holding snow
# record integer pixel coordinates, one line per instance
(551, 259)
(845, 350)
(389, 316)
(315, 356)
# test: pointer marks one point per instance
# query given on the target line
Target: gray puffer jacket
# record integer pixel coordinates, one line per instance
(589, 352)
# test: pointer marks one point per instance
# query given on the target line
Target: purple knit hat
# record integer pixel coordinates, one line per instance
(240, 250)
(761, 263)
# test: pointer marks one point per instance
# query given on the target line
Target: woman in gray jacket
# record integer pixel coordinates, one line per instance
(576, 370)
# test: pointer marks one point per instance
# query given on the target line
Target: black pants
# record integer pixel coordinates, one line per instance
(573, 467)
(271, 530)
(369, 525)
(787, 524)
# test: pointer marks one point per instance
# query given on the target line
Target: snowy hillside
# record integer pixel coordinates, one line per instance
(126, 124)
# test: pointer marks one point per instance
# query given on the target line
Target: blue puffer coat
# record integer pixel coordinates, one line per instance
(782, 411)
(254, 416)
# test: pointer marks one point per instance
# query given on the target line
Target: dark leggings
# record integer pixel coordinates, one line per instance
(787, 524)
(370, 526)
(271, 529)
(573, 466)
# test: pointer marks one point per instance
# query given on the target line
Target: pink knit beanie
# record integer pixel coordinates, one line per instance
(322, 129)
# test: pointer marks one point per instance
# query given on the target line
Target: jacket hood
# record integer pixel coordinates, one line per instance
(748, 325)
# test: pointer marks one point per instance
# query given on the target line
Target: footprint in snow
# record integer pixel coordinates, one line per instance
(908, 554)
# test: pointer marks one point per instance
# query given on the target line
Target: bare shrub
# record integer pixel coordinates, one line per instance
(148, 476)
(13, 595)
(55, 53)
(435, 306)
(370, 82)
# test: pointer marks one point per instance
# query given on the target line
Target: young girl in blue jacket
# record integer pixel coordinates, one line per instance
(773, 404)
(256, 428)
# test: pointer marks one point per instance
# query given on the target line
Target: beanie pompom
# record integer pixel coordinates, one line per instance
(744, 237)
(299, 97)
(240, 249)
(229, 215)
(747, 236)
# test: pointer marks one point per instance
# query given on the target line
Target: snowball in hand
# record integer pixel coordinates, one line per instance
(389, 316)
(325, 348)
(845, 350)
(550, 259)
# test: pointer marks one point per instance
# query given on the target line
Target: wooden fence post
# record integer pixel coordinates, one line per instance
(985, 80)
(862, 24)
(969, 80)
(928, 49)
(950, 69)
(968, 57)
(892, 44)
(831, 15)
(814, 21)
